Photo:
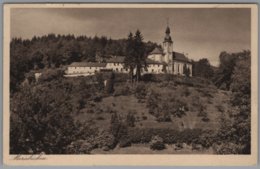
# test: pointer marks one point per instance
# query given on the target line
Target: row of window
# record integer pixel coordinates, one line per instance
(83, 67)
(117, 70)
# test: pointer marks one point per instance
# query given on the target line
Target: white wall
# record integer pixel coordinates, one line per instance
(181, 66)
(156, 57)
(117, 67)
(154, 68)
(82, 70)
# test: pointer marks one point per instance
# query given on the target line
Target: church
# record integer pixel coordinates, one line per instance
(176, 63)
(159, 61)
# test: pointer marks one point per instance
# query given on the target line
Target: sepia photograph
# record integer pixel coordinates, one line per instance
(130, 79)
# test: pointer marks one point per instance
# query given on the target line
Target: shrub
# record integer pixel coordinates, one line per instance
(202, 114)
(109, 87)
(157, 143)
(130, 119)
(100, 81)
(148, 78)
(196, 147)
(220, 108)
(164, 117)
(97, 98)
(90, 111)
(144, 117)
(207, 138)
(205, 119)
(121, 77)
(118, 128)
(51, 74)
(178, 146)
(169, 136)
(122, 90)
(140, 91)
(186, 91)
(79, 147)
(179, 112)
(227, 148)
(125, 142)
(105, 140)
(100, 118)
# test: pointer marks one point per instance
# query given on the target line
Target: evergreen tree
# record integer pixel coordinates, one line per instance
(129, 61)
(135, 54)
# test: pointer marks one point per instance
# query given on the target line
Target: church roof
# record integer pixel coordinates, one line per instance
(180, 57)
(87, 64)
(156, 51)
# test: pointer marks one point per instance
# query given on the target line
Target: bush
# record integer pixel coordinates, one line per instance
(178, 146)
(140, 91)
(202, 114)
(157, 143)
(121, 77)
(100, 118)
(104, 140)
(220, 108)
(169, 136)
(109, 88)
(164, 117)
(125, 142)
(118, 128)
(51, 74)
(205, 119)
(122, 90)
(186, 91)
(144, 117)
(79, 147)
(207, 138)
(130, 119)
(227, 148)
(148, 78)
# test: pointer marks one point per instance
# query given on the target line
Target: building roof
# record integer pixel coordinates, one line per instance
(87, 64)
(180, 57)
(116, 59)
(156, 51)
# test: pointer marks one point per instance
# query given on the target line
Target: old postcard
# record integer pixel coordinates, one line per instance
(130, 84)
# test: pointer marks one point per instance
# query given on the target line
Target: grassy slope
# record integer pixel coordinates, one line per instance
(211, 98)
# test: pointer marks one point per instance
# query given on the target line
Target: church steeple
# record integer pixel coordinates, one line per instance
(167, 37)
(167, 45)
(167, 30)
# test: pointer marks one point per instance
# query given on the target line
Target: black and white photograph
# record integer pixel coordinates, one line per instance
(130, 80)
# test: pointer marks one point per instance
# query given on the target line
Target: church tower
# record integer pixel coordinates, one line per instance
(168, 49)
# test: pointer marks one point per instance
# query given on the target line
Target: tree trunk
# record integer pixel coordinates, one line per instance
(138, 73)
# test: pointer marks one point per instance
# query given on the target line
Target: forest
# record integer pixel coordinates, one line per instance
(46, 114)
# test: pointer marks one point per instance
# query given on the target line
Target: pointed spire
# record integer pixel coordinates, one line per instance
(167, 29)
(167, 37)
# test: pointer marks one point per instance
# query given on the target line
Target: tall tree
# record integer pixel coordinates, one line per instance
(129, 59)
(135, 55)
(139, 54)
(222, 79)
(202, 68)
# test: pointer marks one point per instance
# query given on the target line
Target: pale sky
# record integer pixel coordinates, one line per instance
(202, 33)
